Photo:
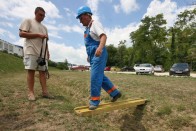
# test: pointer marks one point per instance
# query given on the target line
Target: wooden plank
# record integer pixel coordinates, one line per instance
(105, 107)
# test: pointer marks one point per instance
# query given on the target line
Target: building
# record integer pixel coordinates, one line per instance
(10, 48)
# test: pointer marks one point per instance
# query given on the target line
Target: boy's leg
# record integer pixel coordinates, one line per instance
(30, 83)
(42, 78)
(30, 65)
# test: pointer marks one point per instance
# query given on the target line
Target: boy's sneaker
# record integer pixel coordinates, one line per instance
(116, 97)
(92, 107)
(31, 97)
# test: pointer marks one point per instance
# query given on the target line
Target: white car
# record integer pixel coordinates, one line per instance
(145, 68)
(136, 66)
(158, 68)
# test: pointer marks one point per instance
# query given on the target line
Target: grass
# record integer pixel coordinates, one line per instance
(10, 63)
(171, 106)
(179, 122)
(165, 110)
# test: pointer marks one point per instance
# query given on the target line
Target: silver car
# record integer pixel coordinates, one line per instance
(158, 68)
(145, 68)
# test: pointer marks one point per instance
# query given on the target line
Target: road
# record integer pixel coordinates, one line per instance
(167, 74)
(157, 74)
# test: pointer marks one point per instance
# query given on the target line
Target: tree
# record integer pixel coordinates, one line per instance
(63, 65)
(52, 63)
(112, 51)
(173, 47)
(185, 28)
(149, 40)
(121, 54)
(153, 43)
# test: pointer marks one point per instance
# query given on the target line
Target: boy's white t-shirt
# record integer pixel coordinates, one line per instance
(33, 46)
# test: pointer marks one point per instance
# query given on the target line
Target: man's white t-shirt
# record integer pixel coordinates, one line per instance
(96, 30)
(33, 46)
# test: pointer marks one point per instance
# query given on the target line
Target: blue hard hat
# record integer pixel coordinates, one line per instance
(82, 10)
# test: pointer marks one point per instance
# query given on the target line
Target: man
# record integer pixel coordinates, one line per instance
(95, 40)
(35, 35)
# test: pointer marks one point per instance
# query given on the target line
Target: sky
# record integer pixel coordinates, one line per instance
(118, 17)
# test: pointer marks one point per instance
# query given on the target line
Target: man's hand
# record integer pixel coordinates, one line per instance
(103, 38)
(98, 52)
(43, 36)
(29, 35)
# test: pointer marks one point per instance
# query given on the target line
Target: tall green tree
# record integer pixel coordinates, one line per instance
(185, 28)
(173, 47)
(121, 54)
(63, 65)
(129, 56)
(149, 40)
(112, 55)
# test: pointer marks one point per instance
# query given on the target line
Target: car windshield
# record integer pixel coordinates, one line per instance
(145, 65)
(136, 65)
(185, 65)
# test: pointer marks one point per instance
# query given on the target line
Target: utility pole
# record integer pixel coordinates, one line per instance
(173, 47)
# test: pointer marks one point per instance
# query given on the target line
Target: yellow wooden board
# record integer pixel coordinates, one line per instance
(84, 110)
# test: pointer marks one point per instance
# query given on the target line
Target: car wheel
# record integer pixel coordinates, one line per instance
(137, 73)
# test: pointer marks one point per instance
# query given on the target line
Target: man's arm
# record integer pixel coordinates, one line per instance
(28, 35)
(103, 38)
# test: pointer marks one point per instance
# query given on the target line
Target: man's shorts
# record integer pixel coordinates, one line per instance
(30, 63)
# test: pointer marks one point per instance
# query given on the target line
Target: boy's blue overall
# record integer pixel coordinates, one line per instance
(98, 79)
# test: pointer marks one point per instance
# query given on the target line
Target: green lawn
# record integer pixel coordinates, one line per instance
(10, 63)
(171, 106)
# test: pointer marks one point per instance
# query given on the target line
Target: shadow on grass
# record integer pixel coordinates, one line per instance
(56, 97)
(132, 121)
(7, 119)
(11, 121)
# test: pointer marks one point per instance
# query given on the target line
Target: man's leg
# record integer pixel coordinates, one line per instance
(108, 86)
(30, 82)
(42, 78)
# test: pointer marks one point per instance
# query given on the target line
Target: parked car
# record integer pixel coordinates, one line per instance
(114, 68)
(136, 66)
(107, 68)
(80, 68)
(158, 68)
(180, 69)
(127, 68)
(145, 68)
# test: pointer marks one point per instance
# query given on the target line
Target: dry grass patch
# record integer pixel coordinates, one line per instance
(171, 107)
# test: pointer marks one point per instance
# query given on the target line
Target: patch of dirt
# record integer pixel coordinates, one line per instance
(133, 121)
